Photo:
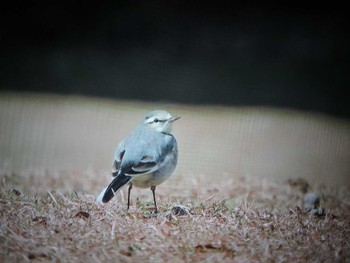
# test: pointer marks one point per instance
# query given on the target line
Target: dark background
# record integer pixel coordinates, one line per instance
(293, 56)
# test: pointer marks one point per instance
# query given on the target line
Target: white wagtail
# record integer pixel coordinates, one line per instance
(146, 158)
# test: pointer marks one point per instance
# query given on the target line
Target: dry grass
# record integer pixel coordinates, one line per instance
(231, 220)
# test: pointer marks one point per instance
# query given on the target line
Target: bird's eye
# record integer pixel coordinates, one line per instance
(156, 120)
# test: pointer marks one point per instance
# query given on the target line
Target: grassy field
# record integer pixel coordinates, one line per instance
(237, 220)
(236, 195)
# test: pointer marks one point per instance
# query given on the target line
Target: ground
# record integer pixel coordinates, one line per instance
(237, 220)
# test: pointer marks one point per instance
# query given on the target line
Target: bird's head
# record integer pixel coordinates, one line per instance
(160, 120)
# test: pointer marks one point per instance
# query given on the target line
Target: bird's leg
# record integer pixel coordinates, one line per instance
(129, 190)
(153, 188)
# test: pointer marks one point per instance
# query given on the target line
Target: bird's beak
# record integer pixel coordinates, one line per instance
(174, 118)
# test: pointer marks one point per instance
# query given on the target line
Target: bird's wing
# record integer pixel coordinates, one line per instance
(118, 157)
(144, 166)
(150, 161)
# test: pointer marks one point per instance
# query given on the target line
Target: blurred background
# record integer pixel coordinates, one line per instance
(183, 51)
(263, 91)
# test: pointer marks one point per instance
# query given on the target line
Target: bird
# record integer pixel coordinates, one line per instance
(146, 158)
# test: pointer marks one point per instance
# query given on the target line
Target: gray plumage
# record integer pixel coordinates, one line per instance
(146, 158)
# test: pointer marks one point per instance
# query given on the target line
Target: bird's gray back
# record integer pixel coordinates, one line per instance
(146, 143)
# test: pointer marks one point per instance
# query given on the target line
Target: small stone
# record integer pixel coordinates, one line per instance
(311, 201)
(318, 212)
(180, 210)
(16, 192)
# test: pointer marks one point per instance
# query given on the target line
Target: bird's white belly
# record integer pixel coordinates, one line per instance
(148, 180)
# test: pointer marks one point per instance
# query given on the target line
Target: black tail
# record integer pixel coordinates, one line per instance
(118, 182)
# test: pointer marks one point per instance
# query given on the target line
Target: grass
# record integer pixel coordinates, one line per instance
(246, 220)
